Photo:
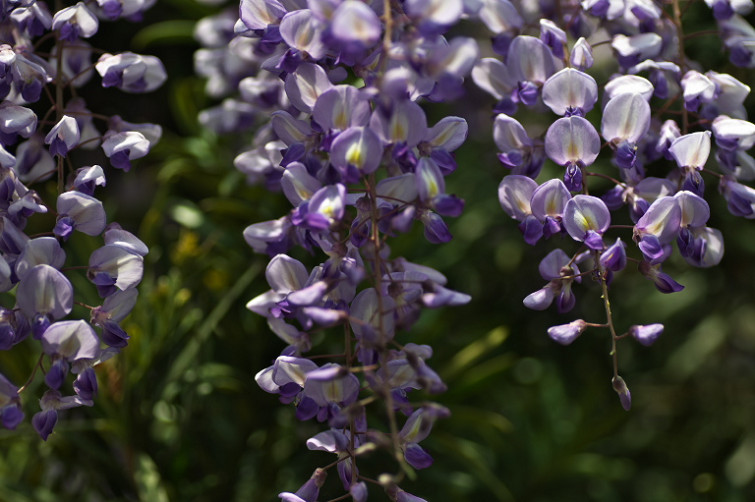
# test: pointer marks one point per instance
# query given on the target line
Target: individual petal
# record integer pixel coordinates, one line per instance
(629, 84)
(285, 274)
(45, 290)
(340, 107)
(71, 340)
(635, 48)
(691, 150)
(354, 21)
(500, 16)
(493, 77)
(662, 219)
(63, 136)
(530, 60)
(646, 334)
(359, 147)
(570, 92)
(331, 383)
(581, 55)
(86, 213)
(697, 89)
(549, 199)
(695, 211)
(305, 84)
(74, 22)
(572, 140)
(123, 147)
(259, 14)
(514, 194)
(449, 133)
(303, 31)
(626, 117)
(567, 333)
(620, 386)
(584, 214)
(39, 251)
(615, 257)
(404, 123)
(115, 266)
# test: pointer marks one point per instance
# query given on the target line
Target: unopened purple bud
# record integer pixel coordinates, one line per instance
(626, 155)
(11, 416)
(436, 230)
(417, 457)
(44, 422)
(615, 257)
(540, 299)
(620, 386)
(646, 334)
(74, 22)
(663, 282)
(581, 56)
(63, 136)
(56, 374)
(85, 384)
(567, 333)
(358, 491)
(113, 335)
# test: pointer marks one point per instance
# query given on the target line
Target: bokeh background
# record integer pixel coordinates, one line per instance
(179, 417)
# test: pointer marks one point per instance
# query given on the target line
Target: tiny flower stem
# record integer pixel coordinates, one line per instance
(33, 373)
(377, 270)
(609, 315)
(605, 176)
(702, 33)
(682, 56)
(59, 106)
(596, 325)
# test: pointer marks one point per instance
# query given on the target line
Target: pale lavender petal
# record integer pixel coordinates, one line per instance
(45, 290)
(626, 117)
(569, 91)
(87, 212)
(340, 107)
(72, 340)
(39, 251)
(303, 31)
(629, 84)
(493, 77)
(449, 133)
(297, 184)
(285, 274)
(691, 150)
(695, 211)
(584, 213)
(305, 84)
(514, 194)
(572, 140)
(258, 14)
(549, 199)
(355, 21)
(662, 219)
(359, 147)
(530, 60)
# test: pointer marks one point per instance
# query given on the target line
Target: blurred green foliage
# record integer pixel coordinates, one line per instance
(179, 417)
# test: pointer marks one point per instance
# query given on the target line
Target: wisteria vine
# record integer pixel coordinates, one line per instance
(332, 91)
(44, 123)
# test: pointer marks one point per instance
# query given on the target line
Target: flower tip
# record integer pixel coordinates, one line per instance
(625, 396)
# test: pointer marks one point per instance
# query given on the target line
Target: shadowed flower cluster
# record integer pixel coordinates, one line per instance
(35, 267)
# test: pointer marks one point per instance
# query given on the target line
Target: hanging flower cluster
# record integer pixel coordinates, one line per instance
(34, 267)
(334, 89)
(659, 119)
